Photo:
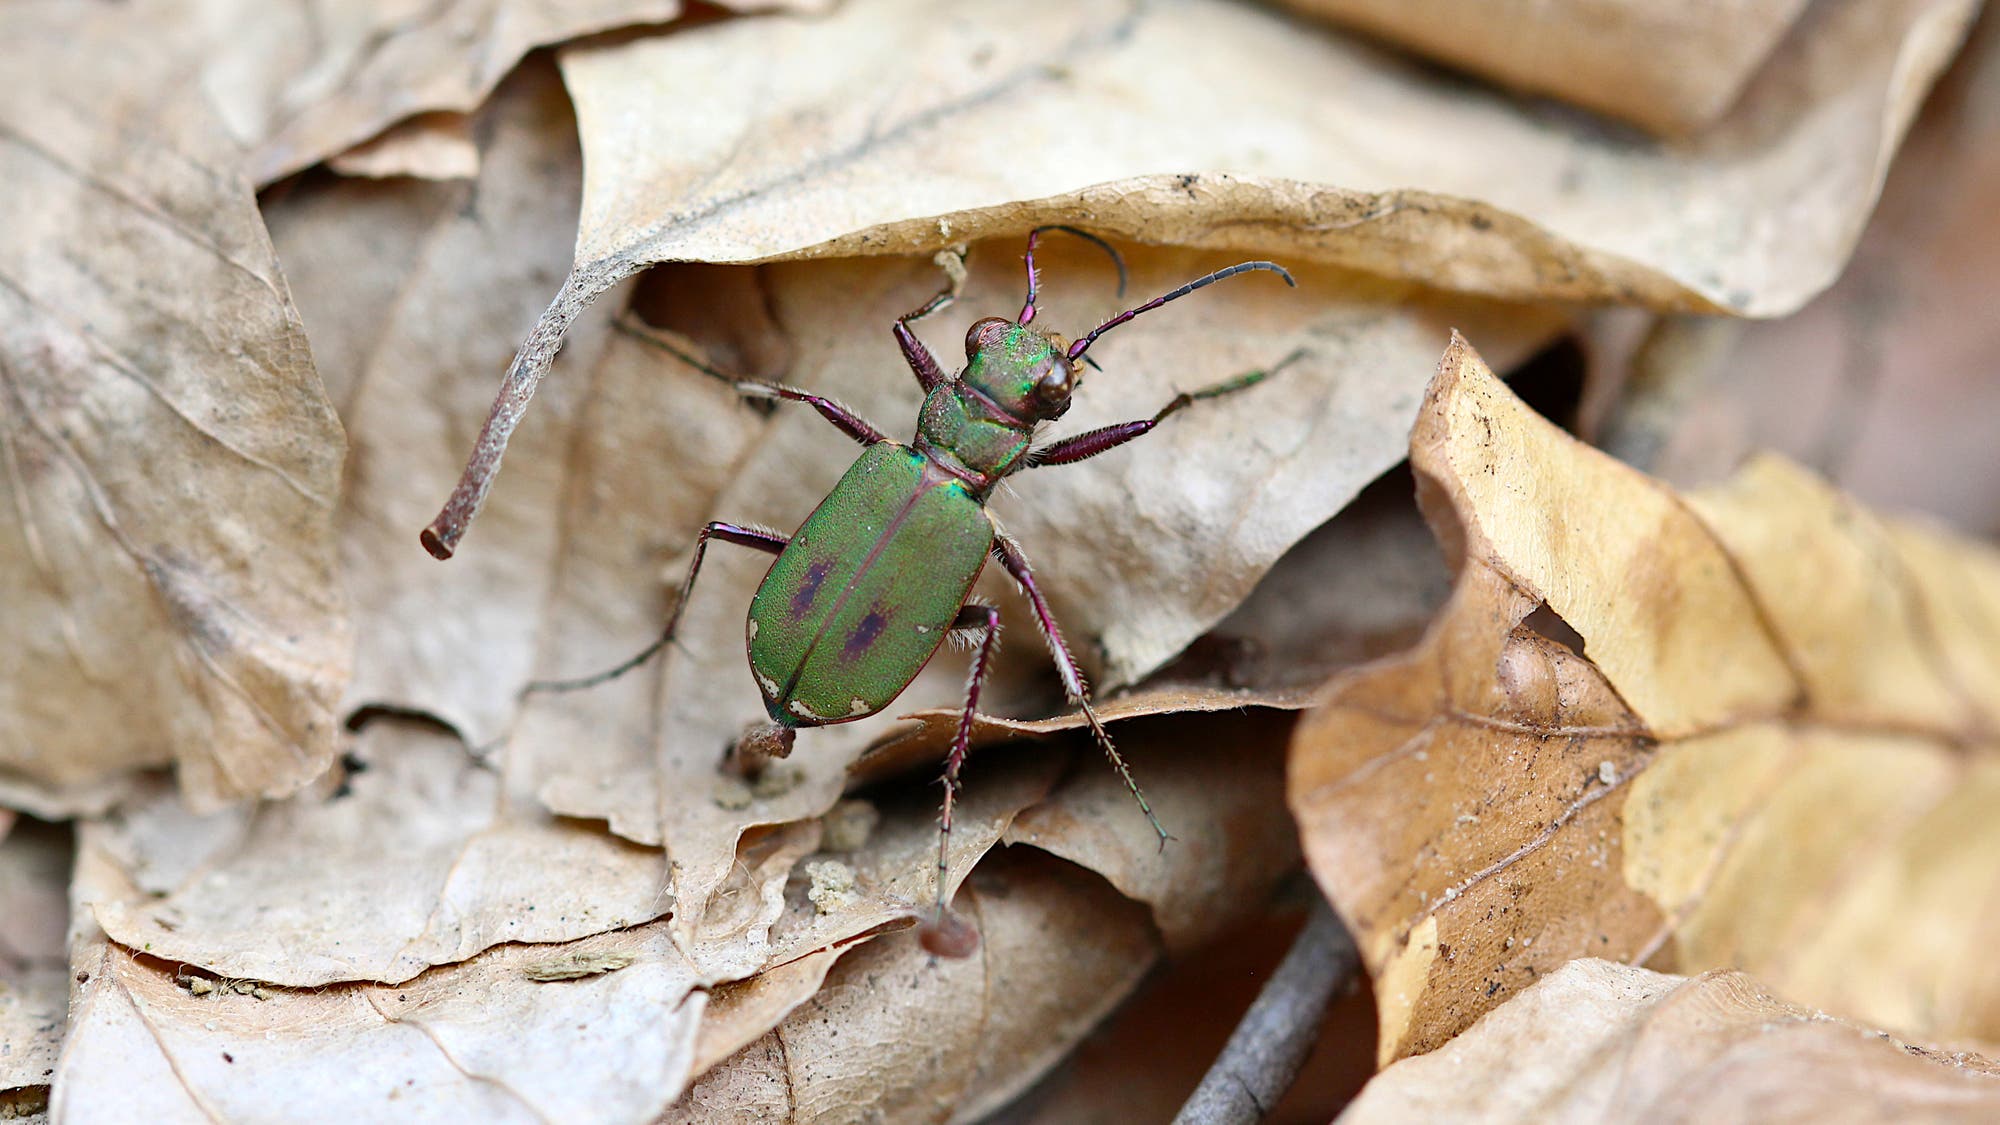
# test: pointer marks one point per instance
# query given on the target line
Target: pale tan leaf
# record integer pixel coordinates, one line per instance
(845, 896)
(1886, 383)
(898, 1035)
(1773, 748)
(1598, 1041)
(168, 458)
(479, 1041)
(1671, 68)
(429, 146)
(1279, 140)
(421, 858)
(1217, 785)
(300, 83)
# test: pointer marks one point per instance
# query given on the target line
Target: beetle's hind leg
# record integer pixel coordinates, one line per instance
(1016, 564)
(766, 541)
(945, 935)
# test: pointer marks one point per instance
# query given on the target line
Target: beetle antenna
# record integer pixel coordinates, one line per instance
(1077, 349)
(1034, 236)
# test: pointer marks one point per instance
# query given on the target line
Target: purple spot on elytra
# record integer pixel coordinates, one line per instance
(864, 635)
(802, 602)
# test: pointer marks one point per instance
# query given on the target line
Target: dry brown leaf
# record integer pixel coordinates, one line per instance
(430, 146)
(474, 1041)
(423, 857)
(1597, 1041)
(1886, 384)
(898, 1035)
(1278, 139)
(1217, 784)
(300, 83)
(171, 462)
(1775, 750)
(1671, 68)
(848, 895)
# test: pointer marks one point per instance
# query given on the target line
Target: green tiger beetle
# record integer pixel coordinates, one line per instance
(864, 593)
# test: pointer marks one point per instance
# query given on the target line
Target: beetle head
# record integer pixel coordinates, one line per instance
(1025, 371)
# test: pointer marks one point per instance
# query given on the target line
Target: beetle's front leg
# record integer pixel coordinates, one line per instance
(848, 422)
(1071, 450)
(1010, 556)
(766, 541)
(922, 363)
(940, 937)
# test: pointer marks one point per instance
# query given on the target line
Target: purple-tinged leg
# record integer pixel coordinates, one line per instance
(727, 532)
(1010, 556)
(845, 420)
(1093, 442)
(985, 620)
(922, 363)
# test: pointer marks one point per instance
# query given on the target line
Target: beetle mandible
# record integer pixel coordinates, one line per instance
(862, 595)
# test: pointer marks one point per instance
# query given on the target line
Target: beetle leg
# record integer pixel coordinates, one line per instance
(1010, 556)
(1094, 442)
(922, 363)
(766, 541)
(848, 422)
(985, 619)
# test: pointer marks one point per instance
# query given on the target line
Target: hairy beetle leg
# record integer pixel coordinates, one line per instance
(985, 620)
(765, 541)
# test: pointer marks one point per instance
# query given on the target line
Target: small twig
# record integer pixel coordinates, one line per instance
(1267, 1048)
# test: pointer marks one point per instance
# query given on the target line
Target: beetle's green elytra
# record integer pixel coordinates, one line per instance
(861, 596)
(866, 590)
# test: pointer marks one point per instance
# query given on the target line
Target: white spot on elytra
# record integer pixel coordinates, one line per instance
(753, 628)
(800, 709)
(856, 708)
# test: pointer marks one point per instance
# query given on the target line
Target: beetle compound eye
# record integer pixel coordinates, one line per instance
(982, 331)
(1052, 391)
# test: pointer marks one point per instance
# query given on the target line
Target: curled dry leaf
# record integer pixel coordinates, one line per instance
(1671, 68)
(300, 84)
(1769, 742)
(430, 146)
(1885, 384)
(845, 897)
(899, 1035)
(170, 461)
(1283, 140)
(421, 858)
(1597, 1041)
(479, 1040)
(1217, 784)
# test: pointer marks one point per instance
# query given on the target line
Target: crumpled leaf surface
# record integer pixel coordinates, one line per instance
(1599, 1041)
(898, 1035)
(170, 461)
(300, 83)
(1670, 68)
(1775, 749)
(1272, 142)
(478, 1040)
(1884, 384)
(419, 859)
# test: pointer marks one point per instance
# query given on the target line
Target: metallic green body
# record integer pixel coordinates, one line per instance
(867, 589)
